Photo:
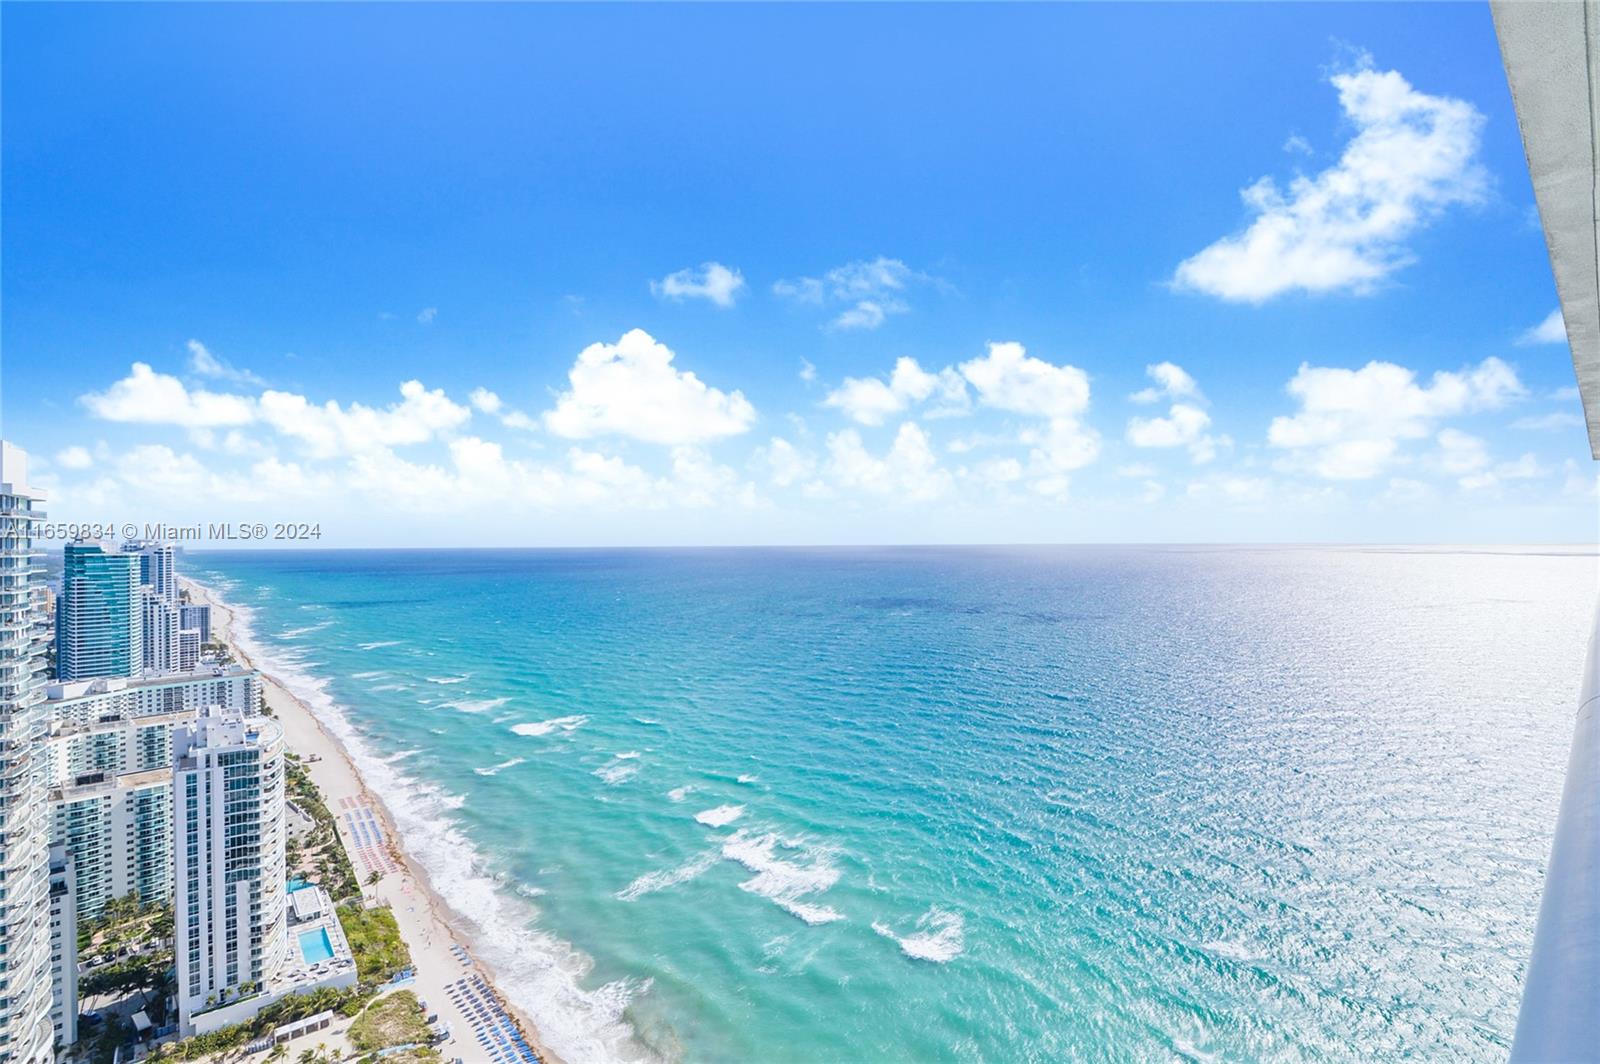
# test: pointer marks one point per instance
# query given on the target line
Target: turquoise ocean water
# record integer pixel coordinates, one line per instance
(962, 804)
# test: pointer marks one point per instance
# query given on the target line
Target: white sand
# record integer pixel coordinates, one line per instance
(424, 918)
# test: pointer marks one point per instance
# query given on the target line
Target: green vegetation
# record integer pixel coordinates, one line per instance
(414, 1055)
(115, 1032)
(396, 1020)
(124, 922)
(319, 857)
(127, 950)
(295, 1007)
(375, 940)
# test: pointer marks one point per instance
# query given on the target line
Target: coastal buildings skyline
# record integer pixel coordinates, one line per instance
(94, 769)
(109, 753)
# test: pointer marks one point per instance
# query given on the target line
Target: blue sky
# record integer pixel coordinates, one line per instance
(271, 209)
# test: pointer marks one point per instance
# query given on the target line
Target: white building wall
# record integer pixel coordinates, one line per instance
(84, 702)
(160, 633)
(228, 794)
(188, 652)
(25, 983)
(119, 833)
(63, 948)
(108, 767)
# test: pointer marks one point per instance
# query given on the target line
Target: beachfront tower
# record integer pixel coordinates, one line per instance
(230, 932)
(109, 775)
(25, 977)
(160, 621)
(160, 607)
(197, 618)
(158, 573)
(99, 619)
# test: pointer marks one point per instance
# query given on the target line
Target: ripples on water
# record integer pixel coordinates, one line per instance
(1023, 804)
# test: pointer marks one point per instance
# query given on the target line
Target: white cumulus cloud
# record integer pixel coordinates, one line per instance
(331, 429)
(909, 470)
(871, 400)
(1185, 423)
(1171, 380)
(1552, 330)
(1008, 378)
(1344, 229)
(204, 363)
(710, 281)
(487, 402)
(152, 398)
(631, 388)
(1351, 422)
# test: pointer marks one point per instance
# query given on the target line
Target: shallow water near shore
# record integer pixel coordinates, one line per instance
(939, 804)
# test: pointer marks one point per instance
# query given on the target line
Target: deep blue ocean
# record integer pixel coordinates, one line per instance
(1023, 804)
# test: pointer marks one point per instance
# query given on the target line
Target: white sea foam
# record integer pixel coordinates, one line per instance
(721, 816)
(651, 882)
(481, 705)
(541, 974)
(296, 633)
(1233, 951)
(449, 679)
(375, 674)
(391, 687)
(619, 770)
(510, 762)
(785, 882)
(1189, 1051)
(750, 777)
(545, 727)
(678, 794)
(380, 643)
(940, 936)
(403, 755)
(629, 756)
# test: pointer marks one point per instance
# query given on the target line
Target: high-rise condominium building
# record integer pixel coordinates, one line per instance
(25, 970)
(188, 649)
(99, 619)
(160, 607)
(160, 619)
(197, 617)
(230, 930)
(158, 572)
(109, 773)
(63, 948)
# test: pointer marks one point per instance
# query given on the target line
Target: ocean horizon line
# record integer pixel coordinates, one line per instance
(1569, 547)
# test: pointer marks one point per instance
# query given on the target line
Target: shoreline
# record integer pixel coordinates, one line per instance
(430, 930)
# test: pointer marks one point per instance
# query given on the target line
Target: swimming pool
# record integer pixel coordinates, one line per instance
(315, 946)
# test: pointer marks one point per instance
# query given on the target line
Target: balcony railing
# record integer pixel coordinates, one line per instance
(1560, 1018)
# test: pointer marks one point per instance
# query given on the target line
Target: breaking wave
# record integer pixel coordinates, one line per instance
(939, 936)
(545, 727)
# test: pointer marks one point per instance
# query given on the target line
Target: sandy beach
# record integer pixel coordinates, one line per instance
(427, 924)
